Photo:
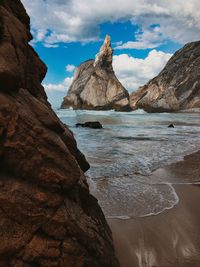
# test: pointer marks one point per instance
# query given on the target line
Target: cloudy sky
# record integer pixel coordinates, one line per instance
(144, 36)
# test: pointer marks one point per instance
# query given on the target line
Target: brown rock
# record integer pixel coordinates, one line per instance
(47, 216)
(176, 88)
(95, 85)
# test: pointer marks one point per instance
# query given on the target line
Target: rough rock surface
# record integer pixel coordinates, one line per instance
(47, 216)
(95, 85)
(177, 87)
(90, 124)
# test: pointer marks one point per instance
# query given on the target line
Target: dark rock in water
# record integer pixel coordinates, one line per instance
(95, 85)
(90, 124)
(176, 88)
(171, 126)
(47, 216)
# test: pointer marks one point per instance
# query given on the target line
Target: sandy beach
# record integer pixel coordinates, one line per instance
(171, 238)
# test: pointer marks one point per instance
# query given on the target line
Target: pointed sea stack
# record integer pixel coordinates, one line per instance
(95, 85)
(176, 88)
(47, 216)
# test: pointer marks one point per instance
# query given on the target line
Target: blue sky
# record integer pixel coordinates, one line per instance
(75, 53)
(144, 36)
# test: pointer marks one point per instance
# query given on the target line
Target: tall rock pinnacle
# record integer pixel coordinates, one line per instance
(105, 55)
(95, 85)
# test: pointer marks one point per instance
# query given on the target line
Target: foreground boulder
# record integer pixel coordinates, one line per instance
(90, 124)
(95, 85)
(47, 216)
(176, 88)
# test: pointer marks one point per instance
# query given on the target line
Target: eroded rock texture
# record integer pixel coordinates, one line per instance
(47, 216)
(95, 85)
(177, 87)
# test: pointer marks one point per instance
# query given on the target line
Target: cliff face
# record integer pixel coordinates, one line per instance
(47, 216)
(95, 85)
(177, 87)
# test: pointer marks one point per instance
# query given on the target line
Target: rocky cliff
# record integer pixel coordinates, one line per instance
(47, 216)
(95, 85)
(177, 87)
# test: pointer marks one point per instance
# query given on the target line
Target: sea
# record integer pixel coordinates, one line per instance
(127, 150)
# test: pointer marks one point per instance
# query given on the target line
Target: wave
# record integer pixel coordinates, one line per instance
(125, 153)
(138, 138)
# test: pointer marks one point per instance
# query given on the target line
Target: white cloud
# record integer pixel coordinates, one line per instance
(134, 72)
(66, 21)
(70, 68)
(56, 92)
(60, 87)
(51, 45)
(149, 38)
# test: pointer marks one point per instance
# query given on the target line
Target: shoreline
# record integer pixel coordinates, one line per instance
(171, 238)
(124, 217)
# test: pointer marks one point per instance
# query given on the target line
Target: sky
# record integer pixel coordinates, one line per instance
(144, 35)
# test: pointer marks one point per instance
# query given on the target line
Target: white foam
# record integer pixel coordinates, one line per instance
(122, 217)
(173, 204)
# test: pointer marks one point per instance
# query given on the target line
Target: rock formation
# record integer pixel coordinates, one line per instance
(47, 216)
(95, 85)
(177, 87)
(90, 124)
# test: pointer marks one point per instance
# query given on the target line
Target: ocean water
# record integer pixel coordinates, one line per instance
(127, 150)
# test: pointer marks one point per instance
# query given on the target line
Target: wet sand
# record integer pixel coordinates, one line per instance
(170, 239)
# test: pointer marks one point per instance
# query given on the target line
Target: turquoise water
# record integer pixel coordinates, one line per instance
(124, 154)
